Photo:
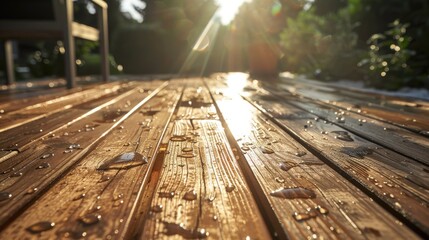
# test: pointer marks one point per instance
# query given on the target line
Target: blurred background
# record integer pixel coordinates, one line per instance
(384, 44)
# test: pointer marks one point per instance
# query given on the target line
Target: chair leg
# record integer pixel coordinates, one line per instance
(8, 48)
(104, 44)
(69, 46)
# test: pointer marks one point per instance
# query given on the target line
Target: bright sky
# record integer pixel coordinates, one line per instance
(228, 9)
(128, 6)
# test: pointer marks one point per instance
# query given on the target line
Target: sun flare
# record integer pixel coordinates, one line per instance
(228, 9)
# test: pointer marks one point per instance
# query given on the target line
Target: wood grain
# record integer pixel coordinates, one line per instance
(352, 215)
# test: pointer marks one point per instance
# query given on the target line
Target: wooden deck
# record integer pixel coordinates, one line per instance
(216, 158)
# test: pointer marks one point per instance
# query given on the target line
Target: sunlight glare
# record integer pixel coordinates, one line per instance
(239, 116)
(236, 81)
(228, 9)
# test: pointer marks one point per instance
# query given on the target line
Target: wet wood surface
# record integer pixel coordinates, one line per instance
(219, 158)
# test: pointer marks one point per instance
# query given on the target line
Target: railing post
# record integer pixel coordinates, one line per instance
(8, 49)
(104, 42)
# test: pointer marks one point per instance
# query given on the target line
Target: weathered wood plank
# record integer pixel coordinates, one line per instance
(37, 111)
(196, 102)
(278, 161)
(367, 107)
(397, 139)
(397, 182)
(19, 137)
(113, 194)
(43, 163)
(202, 188)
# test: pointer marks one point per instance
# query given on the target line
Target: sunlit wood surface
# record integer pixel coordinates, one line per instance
(223, 157)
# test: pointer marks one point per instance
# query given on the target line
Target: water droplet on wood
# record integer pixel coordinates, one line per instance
(187, 155)
(267, 150)
(40, 227)
(81, 196)
(5, 196)
(187, 149)
(17, 174)
(157, 208)
(90, 219)
(74, 146)
(177, 138)
(322, 210)
(31, 190)
(358, 152)
(190, 195)
(300, 153)
(47, 155)
(230, 188)
(43, 165)
(179, 229)
(286, 166)
(293, 193)
(279, 180)
(166, 194)
(343, 135)
(124, 161)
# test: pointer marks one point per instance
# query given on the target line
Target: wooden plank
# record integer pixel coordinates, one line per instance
(397, 182)
(210, 195)
(196, 102)
(346, 212)
(43, 163)
(368, 107)
(113, 194)
(22, 135)
(387, 135)
(40, 110)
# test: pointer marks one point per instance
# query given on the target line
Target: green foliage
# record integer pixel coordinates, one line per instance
(388, 57)
(322, 45)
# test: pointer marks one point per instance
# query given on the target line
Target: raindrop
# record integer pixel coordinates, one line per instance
(166, 194)
(293, 193)
(186, 155)
(300, 153)
(179, 229)
(118, 203)
(157, 208)
(286, 166)
(245, 148)
(322, 210)
(230, 188)
(267, 150)
(74, 146)
(79, 197)
(47, 155)
(305, 216)
(43, 165)
(178, 138)
(279, 180)
(5, 196)
(90, 219)
(190, 195)
(68, 151)
(358, 152)
(340, 119)
(124, 161)
(104, 179)
(41, 227)
(17, 174)
(31, 190)
(343, 135)
(187, 149)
